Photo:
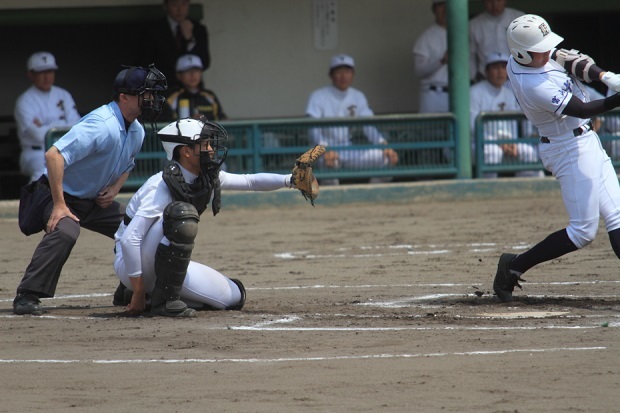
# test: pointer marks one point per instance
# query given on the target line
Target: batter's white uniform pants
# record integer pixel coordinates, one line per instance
(202, 285)
(588, 182)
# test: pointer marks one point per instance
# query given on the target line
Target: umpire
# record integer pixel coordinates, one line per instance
(86, 169)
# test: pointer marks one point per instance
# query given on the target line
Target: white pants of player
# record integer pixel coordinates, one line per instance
(202, 285)
(434, 101)
(32, 162)
(359, 159)
(588, 182)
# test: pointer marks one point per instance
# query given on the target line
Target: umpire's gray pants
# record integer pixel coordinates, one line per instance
(43, 272)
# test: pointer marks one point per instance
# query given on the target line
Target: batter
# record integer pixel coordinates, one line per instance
(546, 82)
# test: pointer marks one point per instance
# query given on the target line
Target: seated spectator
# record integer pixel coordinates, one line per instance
(492, 95)
(41, 107)
(192, 99)
(340, 100)
(487, 34)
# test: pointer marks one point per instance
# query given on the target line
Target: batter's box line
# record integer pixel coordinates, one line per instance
(408, 249)
(304, 359)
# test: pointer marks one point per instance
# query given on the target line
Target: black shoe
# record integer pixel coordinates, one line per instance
(241, 302)
(122, 296)
(505, 281)
(27, 303)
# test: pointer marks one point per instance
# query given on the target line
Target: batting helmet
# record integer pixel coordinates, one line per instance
(530, 33)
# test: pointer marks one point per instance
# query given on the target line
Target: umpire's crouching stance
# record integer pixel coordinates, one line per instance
(86, 169)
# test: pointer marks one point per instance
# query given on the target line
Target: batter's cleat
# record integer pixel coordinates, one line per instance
(241, 302)
(27, 303)
(505, 280)
(122, 296)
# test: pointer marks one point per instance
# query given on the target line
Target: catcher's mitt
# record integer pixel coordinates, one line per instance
(303, 178)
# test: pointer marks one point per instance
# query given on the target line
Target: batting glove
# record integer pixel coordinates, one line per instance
(612, 81)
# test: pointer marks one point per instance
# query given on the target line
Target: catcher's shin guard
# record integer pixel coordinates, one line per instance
(171, 261)
(170, 268)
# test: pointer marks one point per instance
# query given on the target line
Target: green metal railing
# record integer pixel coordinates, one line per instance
(426, 146)
(523, 133)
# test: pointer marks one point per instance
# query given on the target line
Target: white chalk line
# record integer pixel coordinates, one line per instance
(302, 359)
(408, 249)
(371, 286)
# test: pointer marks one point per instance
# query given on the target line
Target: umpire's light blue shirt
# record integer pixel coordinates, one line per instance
(98, 150)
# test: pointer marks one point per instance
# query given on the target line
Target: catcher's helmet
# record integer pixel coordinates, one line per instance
(190, 132)
(530, 33)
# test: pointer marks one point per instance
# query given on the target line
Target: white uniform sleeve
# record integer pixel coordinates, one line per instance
(29, 132)
(254, 182)
(131, 244)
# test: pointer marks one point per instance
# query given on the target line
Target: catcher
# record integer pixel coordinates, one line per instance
(154, 243)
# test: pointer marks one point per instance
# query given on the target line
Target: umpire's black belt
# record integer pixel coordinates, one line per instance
(36, 147)
(439, 88)
(576, 132)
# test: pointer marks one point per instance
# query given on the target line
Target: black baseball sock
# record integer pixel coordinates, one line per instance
(555, 245)
(614, 238)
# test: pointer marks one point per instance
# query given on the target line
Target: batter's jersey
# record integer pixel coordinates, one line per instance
(54, 108)
(543, 93)
(98, 150)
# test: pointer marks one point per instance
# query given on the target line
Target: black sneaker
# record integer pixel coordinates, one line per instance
(505, 281)
(241, 302)
(27, 303)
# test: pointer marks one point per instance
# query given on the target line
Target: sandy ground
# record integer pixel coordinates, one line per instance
(359, 308)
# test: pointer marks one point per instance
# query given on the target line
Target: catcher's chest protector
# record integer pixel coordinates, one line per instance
(198, 193)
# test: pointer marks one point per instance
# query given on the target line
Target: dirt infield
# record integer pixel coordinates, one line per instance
(365, 308)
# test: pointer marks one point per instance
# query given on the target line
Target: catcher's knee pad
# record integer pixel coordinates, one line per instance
(181, 224)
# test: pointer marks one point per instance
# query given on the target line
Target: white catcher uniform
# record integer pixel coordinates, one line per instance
(54, 108)
(330, 102)
(136, 243)
(587, 178)
(485, 97)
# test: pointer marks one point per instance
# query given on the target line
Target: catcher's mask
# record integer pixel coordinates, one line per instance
(147, 84)
(205, 137)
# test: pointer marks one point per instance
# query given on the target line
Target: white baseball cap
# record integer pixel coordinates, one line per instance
(496, 57)
(341, 60)
(42, 61)
(189, 61)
